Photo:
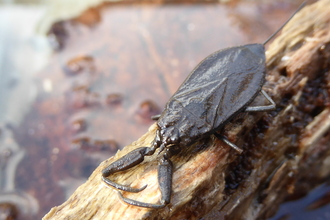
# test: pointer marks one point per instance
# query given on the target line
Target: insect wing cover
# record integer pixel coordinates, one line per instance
(216, 90)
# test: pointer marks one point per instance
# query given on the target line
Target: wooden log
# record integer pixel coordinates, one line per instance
(285, 151)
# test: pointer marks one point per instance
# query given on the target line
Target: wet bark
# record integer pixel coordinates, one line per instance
(286, 151)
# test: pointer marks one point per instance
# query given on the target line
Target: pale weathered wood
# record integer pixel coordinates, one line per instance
(280, 147)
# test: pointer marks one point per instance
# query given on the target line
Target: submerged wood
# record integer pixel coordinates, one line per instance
(286, 151)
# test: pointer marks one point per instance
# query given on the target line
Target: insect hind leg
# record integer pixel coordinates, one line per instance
(272, 105)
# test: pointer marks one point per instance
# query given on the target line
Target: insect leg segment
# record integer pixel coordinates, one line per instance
(224, 139)
(130, 160)
(165, 172)
(140, 204)
(272, 105)
(155, 117)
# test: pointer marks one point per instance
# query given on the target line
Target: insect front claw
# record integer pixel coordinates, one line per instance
(129, 160)
(122, 187)
(141, 204)
(165, 171)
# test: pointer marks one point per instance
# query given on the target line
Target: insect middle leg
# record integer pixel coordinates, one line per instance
(272, 106)
(224, 139)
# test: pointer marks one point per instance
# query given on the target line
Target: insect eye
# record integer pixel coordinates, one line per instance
(174, 139)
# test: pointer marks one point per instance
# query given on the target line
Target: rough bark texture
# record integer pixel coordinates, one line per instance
(286, 151)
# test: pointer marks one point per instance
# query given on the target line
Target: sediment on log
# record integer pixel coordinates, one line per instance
(286, 151)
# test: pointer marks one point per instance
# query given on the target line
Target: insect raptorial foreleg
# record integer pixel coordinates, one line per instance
(165, 186)
(224, 139)
(165, 172)
(272, 105)
(131, 159)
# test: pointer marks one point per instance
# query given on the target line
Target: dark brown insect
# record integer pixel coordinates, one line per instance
(219, 88)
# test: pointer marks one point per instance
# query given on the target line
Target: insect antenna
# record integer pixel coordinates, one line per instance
(278, 30)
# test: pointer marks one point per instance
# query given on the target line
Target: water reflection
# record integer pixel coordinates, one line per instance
(316, 205)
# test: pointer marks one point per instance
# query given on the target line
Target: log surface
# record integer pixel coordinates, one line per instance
(285, 151)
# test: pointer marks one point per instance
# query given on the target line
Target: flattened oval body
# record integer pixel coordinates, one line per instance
(221, 86)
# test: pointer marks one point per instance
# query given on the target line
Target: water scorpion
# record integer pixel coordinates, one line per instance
(220, 87)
